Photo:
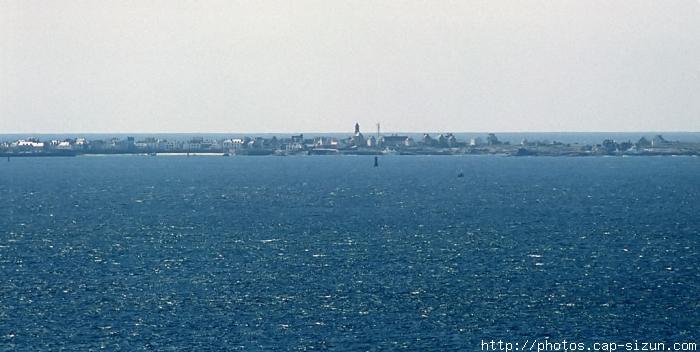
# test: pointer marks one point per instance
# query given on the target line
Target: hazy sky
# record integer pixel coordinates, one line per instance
(296, 65)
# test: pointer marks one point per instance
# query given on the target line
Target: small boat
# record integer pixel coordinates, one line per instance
(322, 151)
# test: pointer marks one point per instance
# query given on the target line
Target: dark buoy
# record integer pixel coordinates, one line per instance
(376, 161)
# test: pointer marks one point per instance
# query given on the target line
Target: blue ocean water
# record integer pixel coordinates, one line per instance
(329, 253)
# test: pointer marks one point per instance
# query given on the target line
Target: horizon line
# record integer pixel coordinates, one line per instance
(341, 132)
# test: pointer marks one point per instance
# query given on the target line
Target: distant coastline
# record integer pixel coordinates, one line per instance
(358, 143)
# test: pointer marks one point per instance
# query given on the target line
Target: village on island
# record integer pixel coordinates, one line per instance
(355, 144)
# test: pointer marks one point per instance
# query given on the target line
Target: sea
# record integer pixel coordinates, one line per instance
(314, 253)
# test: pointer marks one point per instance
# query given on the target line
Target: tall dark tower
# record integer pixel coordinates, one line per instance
(357, 128)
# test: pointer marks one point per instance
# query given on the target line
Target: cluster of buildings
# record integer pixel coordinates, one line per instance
(128, 145)
(357, 143)
(657, 145)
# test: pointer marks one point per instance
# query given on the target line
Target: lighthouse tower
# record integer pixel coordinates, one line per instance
(358, 139)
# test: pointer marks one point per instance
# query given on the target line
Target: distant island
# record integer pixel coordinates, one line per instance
(355, 144)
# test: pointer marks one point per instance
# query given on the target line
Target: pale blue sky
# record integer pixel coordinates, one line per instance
(287, 66)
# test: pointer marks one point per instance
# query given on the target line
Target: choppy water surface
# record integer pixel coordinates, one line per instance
(302, 253)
